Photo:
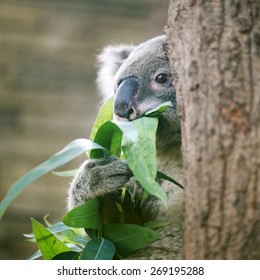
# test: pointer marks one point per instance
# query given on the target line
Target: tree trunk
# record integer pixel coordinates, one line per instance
(214, 50)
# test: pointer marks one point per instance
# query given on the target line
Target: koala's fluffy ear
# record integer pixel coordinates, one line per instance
(109, 61)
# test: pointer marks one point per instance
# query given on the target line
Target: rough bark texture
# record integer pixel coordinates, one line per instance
(214, 49)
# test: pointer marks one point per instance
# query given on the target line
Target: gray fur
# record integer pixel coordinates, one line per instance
(133, 70)
(109, 61)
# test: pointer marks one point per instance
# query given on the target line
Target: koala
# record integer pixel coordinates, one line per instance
(140, 78)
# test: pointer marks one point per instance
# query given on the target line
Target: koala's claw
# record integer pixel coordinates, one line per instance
(98, 177)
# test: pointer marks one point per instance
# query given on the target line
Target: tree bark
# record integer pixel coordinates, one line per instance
(214, 51)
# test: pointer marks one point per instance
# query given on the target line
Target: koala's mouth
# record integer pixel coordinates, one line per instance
(121, 119)
(132, 115)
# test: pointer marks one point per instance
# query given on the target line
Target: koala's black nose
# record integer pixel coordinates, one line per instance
(124, 105)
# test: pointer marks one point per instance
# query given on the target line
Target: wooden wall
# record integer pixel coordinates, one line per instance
(48, 96)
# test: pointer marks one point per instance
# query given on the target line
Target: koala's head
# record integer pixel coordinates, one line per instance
(140, 77)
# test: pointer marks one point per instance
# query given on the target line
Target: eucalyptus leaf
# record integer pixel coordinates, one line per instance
(67, 256)
(73, 236)
(56, 228)
(141, 156)
(69, 152)
(74, 247)
(67, 173)
(35, 256)
(87, 215)
(156, 224)
(130, 132)
(129, 238)
(48, 243)
(155, 112)
(98, 249)
(146, 146)
(105, 114)
(108, 136)
(165, 177)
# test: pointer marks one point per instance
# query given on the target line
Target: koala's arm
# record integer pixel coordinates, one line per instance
(96, 178)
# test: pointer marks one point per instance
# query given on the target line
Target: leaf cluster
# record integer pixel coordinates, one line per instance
(133, 141)
(66, 240)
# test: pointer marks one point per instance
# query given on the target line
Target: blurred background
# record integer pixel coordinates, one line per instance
(48, 95)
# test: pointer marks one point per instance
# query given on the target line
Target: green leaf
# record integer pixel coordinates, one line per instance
(67, 256)
(35, 256)
(48, 243)
(56, 228)
(129, 238)
(67, 173)
(75, 237)
(146, 145)
(108, 136)
(87, 215)
(155, 112)
(105, 114)
(141, 156)
(130, 132)
(156, 224)
(69, 152)
(69, 234)
(165, 177)
(98, 249)
(73, 247)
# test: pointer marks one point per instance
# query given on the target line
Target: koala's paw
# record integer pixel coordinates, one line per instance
(96, 178)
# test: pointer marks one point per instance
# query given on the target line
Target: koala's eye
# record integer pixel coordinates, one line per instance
(162, 78)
